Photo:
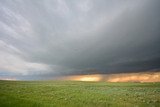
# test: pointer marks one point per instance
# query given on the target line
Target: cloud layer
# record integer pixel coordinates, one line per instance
(58, 37)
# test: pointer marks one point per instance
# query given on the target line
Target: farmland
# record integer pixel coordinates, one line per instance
(78, 94)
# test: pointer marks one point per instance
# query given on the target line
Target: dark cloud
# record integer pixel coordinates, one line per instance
(50, 38)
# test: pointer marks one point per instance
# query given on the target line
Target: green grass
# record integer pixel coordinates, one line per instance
(78, 94)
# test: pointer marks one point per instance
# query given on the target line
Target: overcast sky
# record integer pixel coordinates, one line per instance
(47, 38)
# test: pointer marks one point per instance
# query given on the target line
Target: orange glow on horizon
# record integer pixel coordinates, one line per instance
(135, 77)
(90, 78)
(122, 77)
(95, 77)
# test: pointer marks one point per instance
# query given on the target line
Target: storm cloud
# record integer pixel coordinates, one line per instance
(58, 37)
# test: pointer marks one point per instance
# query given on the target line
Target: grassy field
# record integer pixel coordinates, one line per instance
(78, 94)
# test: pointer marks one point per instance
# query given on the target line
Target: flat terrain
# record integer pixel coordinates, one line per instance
(78, 94)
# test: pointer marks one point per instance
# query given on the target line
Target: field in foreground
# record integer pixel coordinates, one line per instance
(78, 94)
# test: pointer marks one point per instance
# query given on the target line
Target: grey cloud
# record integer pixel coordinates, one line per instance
(83, 37)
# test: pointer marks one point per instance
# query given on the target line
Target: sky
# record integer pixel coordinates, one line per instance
(41, 39)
